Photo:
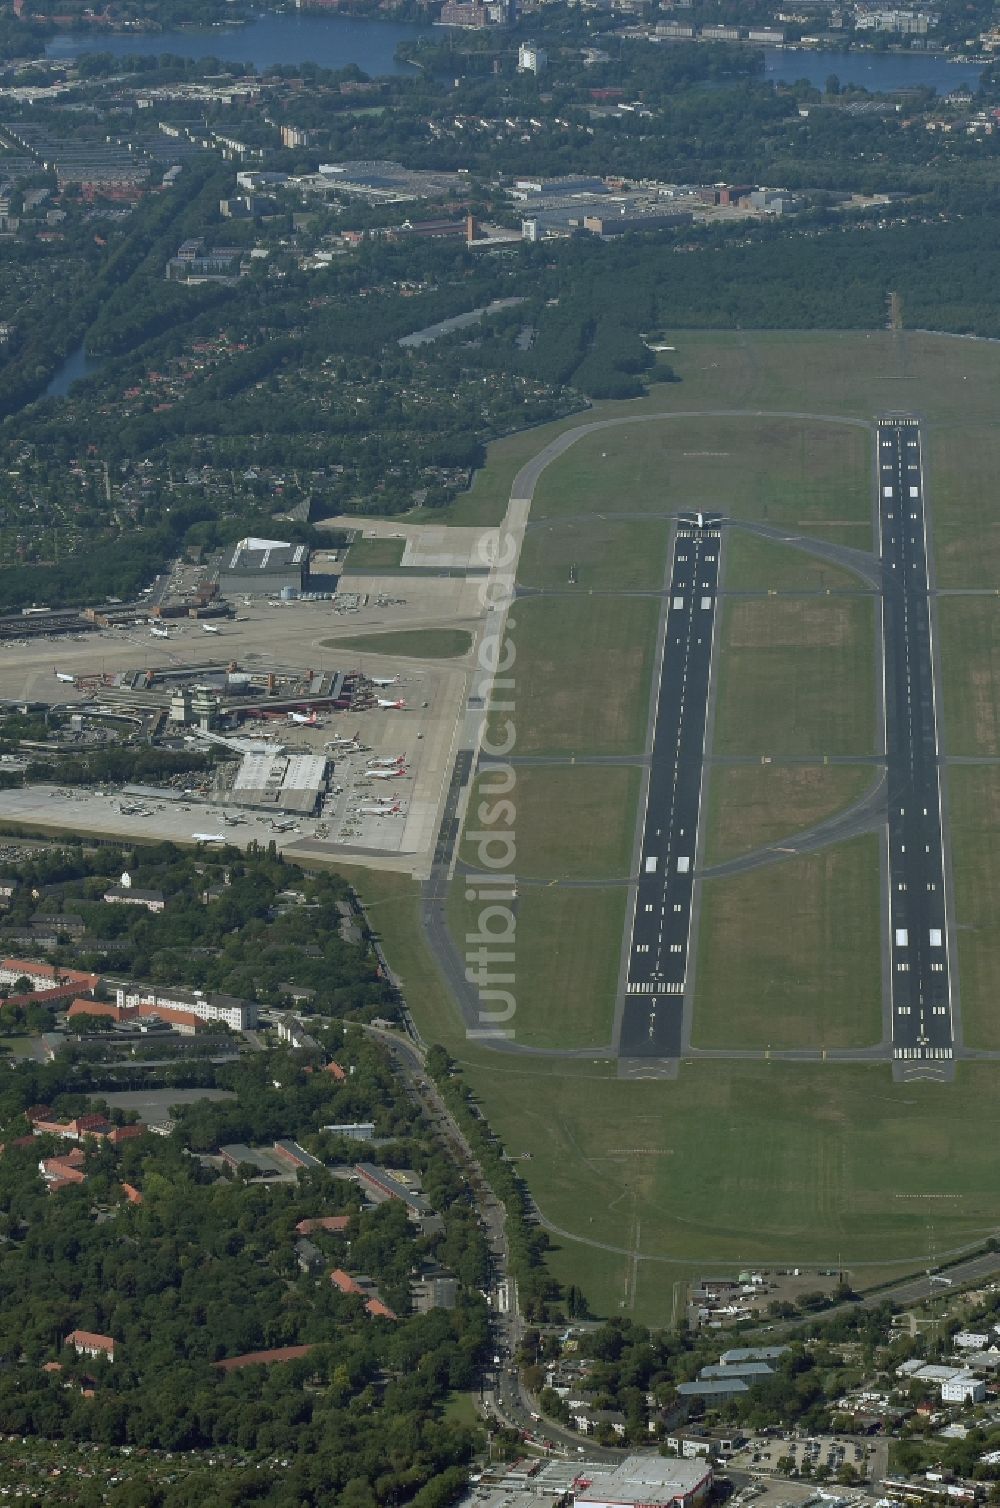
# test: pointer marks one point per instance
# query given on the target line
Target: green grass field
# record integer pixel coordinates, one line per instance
(789, 954)
(567, 949)
(752, 564)
(970, 664)
(963, 470)
(974, 803)
(750, 805)
(780, 471)
(796, 676)
(604, 554)
(572, 822)
(415, 643)
(761, 1161)
(584, 674)
(373, 554)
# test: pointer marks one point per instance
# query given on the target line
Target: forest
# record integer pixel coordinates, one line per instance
(205, 1266)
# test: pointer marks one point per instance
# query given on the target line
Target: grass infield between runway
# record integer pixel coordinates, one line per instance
(753, 1161)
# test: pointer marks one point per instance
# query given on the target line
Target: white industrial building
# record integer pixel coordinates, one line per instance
(280, 782)
(652, 1481)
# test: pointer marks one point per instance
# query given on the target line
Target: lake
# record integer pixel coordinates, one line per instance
(336, 41)
(876, 71)
(77, 364)
(329, 41)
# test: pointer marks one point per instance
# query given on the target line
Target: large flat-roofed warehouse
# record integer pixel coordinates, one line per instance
(280, 782)
(263, 568)
(649, 1482)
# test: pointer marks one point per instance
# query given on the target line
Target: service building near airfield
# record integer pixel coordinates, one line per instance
(263, 568)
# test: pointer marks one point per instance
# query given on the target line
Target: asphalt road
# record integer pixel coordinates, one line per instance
(920, 965)
(661, 919)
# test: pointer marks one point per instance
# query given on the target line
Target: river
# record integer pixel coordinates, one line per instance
(336, 41)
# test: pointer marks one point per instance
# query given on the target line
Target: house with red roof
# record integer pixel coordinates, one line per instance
(337, 1224)
(364, 1288)
(86, 1343)
(262, 1358)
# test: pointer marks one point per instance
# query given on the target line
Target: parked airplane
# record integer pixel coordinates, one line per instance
(382, 810)
(209, 628)
(233, 821)
(282, 827)
(61, 675)
(395, 774)
(389, 680)
(386, 761)
(160, 633)
(300, 717)
(399, 706)
(208, 837)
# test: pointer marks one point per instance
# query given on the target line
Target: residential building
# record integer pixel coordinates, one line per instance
(86, 1343)
(47, 977)
(295, 1156)
(590, 1421)
(60, 1172)
(964, 1387)
(362, 1287)
(353, 1130)
(262, 1358)
(746, 1371)
(737, 1355)
(531, 59)
(239, 1015)
(381, 1185)
(125, 894)
(713, 1391)
(335, 1224)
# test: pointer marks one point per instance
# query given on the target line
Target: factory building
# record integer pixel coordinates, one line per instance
(263, 568)
(272, 782)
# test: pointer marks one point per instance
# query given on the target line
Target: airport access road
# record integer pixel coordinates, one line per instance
(920, 983)
(660, 940)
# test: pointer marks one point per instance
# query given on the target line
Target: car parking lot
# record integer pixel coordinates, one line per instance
(808, 1453)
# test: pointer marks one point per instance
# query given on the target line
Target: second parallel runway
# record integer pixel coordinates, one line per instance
(661, 920)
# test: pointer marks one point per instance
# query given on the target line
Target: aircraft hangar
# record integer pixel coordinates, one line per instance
(273, 782)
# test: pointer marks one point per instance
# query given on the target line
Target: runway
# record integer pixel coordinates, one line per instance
(923, 1032)
(662, 910)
